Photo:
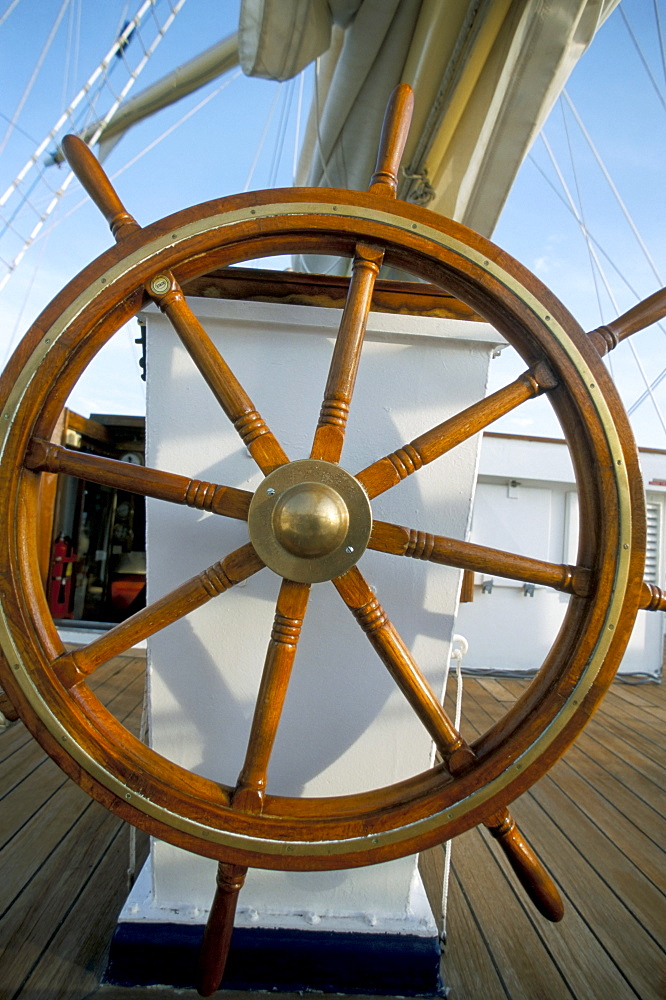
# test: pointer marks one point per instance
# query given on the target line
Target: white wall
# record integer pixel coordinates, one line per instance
(345, 726)
(526, 503)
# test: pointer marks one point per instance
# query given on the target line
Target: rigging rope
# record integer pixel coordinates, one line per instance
(459, 648)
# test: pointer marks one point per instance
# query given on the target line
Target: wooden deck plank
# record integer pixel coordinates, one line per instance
(632, 718)
(635, 944)
(629, 838)
(651, 690)
(606, 858)
(33, 790)
(27, 927)
(54, 978)
(596, 820)
(625, 799)
(605, 749)
(635, 696)
(64, 853)
(634, 749)
(20, 766)
(646, 853)
(635, 770)
(588, 967)
(475, 975)
(12, 738)
(637, 957)
(514, 943)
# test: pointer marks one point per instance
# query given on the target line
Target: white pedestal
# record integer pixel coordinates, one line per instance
(345, 726)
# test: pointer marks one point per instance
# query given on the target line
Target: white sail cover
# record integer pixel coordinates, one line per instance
(485, 74)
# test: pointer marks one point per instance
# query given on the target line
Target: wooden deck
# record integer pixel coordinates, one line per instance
(597, 821)
(61, 854)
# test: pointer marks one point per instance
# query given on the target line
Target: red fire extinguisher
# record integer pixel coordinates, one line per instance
(62, 578)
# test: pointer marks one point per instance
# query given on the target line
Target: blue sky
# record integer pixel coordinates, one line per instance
(211, 154)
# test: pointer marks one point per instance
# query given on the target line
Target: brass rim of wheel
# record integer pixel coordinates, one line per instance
(357, 829)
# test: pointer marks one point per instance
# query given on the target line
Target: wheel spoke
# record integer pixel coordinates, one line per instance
(43, 456)
(389, 471)
(289, 613)
(399, 541)
(643, 314)
(166, 291)
(253, 430)
(392, 651)
(456, 753)
(330, 434)
(237, 566)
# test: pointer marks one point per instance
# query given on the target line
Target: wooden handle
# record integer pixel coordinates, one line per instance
(99, 187)
(649, 311)
(395, 130)
(219, 927)
(653, 598)
(531, 874)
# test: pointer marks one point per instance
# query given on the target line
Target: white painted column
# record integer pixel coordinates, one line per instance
(345, 725)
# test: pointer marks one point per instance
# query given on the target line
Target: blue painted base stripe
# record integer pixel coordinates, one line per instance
(146, 954)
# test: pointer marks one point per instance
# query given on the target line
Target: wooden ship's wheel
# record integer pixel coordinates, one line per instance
(310, 522)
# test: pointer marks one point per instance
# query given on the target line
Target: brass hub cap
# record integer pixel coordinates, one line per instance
(310, 521)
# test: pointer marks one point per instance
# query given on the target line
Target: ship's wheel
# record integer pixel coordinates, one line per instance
(310, 522)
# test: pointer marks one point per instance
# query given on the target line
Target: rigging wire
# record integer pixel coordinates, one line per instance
(28, 293)
(262, 140)
(167, 132)
(68, 54)
(646, 395)
(35, 73)
(581, 209)
(18, 128)
(642, 58)
(660, 35)
(147, 149)
(618, 271)
(609, 180)
(288, 93)
(602, 274)
(130, 163)
(12, 6)
(118, 46)
(297, 134)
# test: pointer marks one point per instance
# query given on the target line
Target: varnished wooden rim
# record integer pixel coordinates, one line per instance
(358, 829)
